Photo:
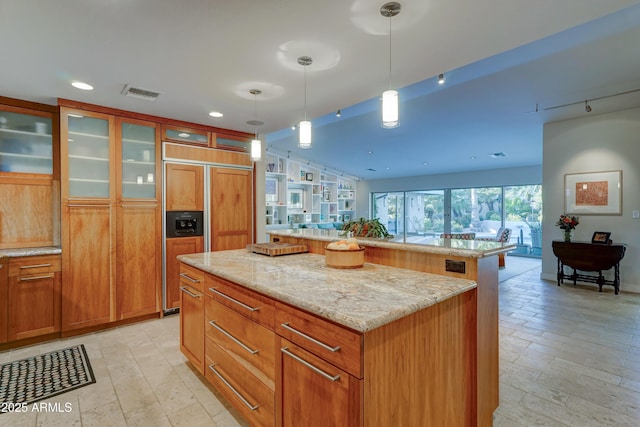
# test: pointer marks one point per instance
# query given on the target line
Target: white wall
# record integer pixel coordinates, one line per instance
(486, 178)
(594, 143)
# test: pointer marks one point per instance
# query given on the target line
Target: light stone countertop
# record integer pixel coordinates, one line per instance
(19, 252)
(362, 299)
(453, 247)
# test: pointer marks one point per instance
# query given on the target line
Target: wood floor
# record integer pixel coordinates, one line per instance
(570, 356)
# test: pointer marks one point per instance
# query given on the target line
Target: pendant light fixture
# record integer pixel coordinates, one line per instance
(390, 97)
(305, 125)
(256, 144)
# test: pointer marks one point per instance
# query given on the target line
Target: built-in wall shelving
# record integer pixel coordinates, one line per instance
(299, 193)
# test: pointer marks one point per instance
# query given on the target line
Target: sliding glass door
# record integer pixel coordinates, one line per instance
(419, 216)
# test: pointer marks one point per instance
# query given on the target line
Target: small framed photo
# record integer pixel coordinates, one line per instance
(601, 237)
(309, 176)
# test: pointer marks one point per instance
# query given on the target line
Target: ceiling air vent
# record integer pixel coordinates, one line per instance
(498, 155)
(136, 92)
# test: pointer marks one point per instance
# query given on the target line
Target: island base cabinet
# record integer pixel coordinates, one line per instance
(251, 397)
(192, 316)
(312, 392)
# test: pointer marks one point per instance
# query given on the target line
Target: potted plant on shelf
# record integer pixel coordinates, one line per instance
(366, 228)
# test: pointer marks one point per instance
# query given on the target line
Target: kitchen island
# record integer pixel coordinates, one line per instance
(470, 259)
(289, 341)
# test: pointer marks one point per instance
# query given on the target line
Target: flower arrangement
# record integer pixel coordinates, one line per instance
(568, 224)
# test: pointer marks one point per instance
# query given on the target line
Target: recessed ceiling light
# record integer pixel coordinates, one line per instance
(370, 152)
(184, 135)
(498, 155)
(216, 114)
(425, 163)
(473, 157)
(82, 85)
(388, 168)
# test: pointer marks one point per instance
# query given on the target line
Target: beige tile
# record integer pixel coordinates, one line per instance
(174, 396)
(191, 416)
(107, 415)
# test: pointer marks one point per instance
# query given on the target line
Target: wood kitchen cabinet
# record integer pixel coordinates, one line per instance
(240, 348)
(314, 392)
(184, 187)
(4, 268)
(29, 174)
(192, 315)
(174, 247)
(111, 218)
(138, 220)
(231, 208)
(88, 237)
(33, 296)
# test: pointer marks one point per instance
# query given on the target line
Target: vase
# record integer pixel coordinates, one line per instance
(567, 235)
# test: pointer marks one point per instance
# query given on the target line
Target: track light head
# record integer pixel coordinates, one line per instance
(338, 113)
(587, 107)
(441, 79)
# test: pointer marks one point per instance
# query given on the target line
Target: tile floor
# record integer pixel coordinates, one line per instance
(569, 357)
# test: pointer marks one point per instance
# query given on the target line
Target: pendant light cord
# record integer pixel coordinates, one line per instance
(390, 17)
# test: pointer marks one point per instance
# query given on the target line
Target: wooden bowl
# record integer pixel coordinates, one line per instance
(336, 258)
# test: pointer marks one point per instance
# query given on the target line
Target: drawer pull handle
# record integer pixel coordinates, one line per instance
(249, 405)
(34, 266)
(231, 337)
(188, 292)
(26, 279)
(241, 304)
(313, 340)
(191, 279)
(315, 369)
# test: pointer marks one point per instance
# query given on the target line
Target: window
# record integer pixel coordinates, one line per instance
(418, 216)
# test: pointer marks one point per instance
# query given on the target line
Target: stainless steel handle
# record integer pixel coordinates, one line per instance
(234, 339)
(241, 304)
(191, 279)
(313, 340)
(34, 266)
(245, 401)
(26, 279)
(315, 369)
(188, 292)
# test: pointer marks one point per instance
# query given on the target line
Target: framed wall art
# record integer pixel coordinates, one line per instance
(593, 193)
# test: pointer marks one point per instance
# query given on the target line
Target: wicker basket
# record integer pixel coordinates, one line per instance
(343, 258)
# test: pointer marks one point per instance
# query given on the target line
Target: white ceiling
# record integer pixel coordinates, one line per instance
(501, 59)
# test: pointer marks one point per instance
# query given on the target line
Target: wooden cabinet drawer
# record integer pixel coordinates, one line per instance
(242, 338)
(30, 265)
(316, 393)
(191, 277)
(244, 301)
(250, 396)
(331, 342)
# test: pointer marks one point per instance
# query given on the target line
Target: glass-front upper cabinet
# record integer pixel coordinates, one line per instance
(138, 161)
(88, 153)
(26, 144)
(185, 135)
